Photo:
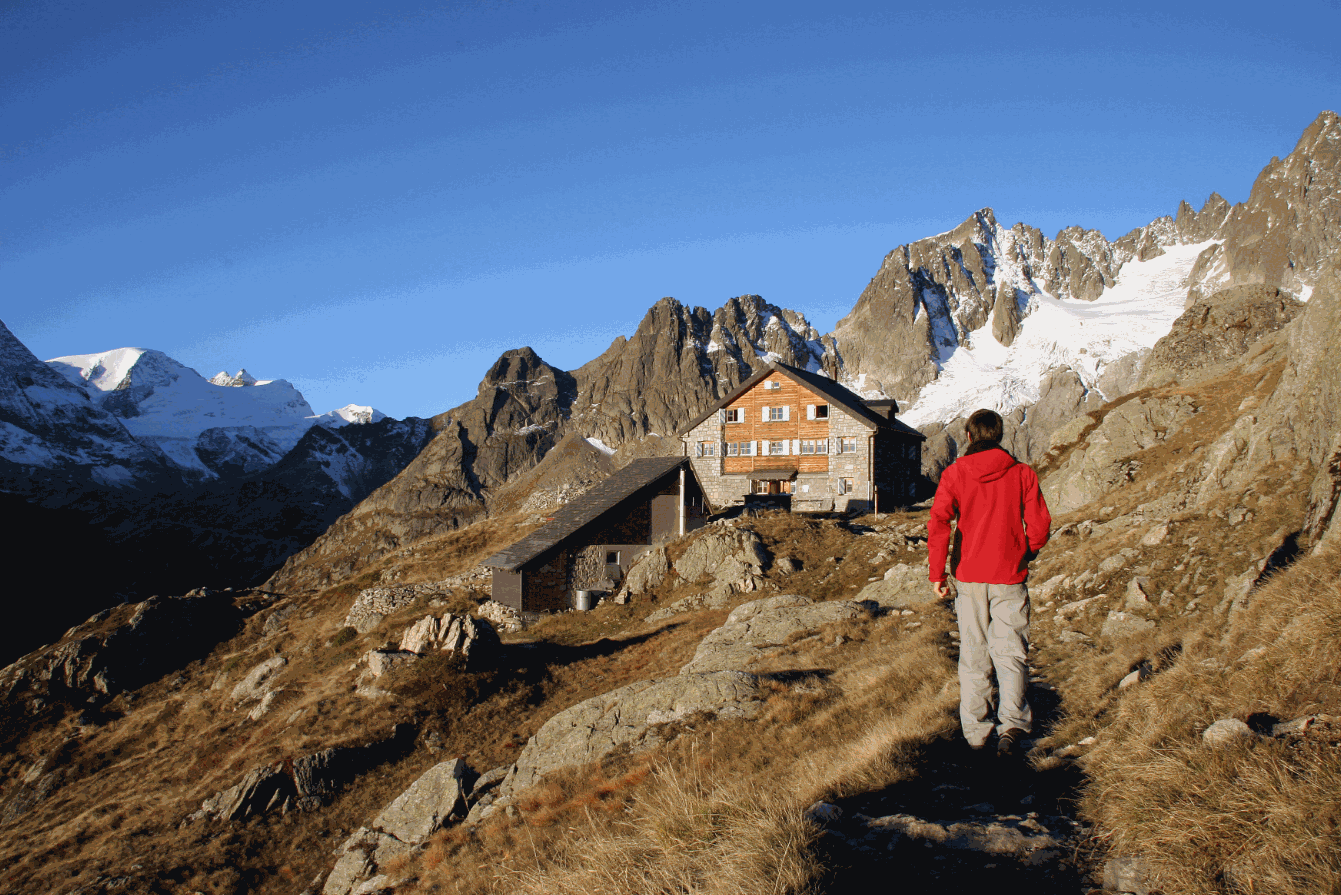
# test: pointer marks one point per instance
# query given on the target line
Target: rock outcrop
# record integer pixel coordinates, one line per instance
(629, 717)
(403, 827)
(304, 784)
(1106, 458)
(755, 627)
(1217, 329)
(125, 648)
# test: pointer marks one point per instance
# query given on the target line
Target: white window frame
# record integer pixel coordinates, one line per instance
(821, 412)
(775, 414)
(732, 415)
(777, 448)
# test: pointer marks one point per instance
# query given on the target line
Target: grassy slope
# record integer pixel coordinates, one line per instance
(719, 808)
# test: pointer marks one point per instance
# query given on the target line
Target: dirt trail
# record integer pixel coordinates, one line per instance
(967, 819)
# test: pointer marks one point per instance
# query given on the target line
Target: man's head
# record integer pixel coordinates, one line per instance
(984, 425)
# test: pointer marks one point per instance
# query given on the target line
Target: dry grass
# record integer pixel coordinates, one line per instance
(720, 809)
(1264, 816)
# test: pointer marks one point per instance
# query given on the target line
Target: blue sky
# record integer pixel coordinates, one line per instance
(373, 201)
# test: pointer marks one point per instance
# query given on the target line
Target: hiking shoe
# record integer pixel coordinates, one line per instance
(1008, 744)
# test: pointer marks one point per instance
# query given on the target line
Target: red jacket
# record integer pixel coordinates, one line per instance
(1003, 519)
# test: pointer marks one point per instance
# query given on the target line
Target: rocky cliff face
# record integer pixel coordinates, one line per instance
(930, 296)
(679, 361)
(682, 359)
(1288, 231)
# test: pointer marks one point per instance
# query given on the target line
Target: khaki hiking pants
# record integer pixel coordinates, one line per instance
(993, 633)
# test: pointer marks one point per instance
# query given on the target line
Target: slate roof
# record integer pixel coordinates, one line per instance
(838, 395)
(585, 509)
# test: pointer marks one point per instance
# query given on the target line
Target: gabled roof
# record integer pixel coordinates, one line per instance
(839, 395)
(585, 509)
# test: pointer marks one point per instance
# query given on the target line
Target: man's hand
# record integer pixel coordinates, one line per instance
(942, 590)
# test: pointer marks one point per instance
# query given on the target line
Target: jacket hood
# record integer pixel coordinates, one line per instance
(987, 465)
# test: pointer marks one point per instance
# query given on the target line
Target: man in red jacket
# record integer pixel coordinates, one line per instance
(1003, 523)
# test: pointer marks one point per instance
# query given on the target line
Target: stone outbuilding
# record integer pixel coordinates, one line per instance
(801, 440)
(590, 543)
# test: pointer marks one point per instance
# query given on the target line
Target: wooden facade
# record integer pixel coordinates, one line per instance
(808, 441)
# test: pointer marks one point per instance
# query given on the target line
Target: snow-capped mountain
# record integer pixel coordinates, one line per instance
(227, 425)
(54, 439)
(349, 414)
(982, 315)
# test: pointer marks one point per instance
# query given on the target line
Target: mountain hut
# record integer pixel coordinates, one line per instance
(590, 543)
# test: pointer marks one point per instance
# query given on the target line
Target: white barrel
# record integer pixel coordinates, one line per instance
(582, 600)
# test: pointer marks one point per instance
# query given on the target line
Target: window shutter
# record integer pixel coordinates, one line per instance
(721, 417)
(754, 448)
(787, 412)
(796, 445)
(810, 411)
(763, 447)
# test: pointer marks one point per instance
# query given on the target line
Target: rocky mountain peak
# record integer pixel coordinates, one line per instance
(238, 380)
(1286, 232)
(53, 438)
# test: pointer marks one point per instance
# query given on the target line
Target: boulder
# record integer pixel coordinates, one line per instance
(426, 806)
(758, 625)
(1156, 535)
(256, 684)
(259, 791)
(1226, 732)
(403, 826)
(459, 634)
(903, 586)
(1125, 624)
(381, 661)
(1138, 593)
(1127, 874)
(733, 560)
(627, 717)
(647, 572)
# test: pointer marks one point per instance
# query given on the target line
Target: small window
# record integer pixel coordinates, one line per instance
(815, 446)
(733, 415)
(612, 557)
(845, 486)
(777, 447)
(821, 411)
(777, 414)
(772, 383)
(707, 449)
(847, 444)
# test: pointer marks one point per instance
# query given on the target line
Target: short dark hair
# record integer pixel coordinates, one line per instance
(984, 425)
